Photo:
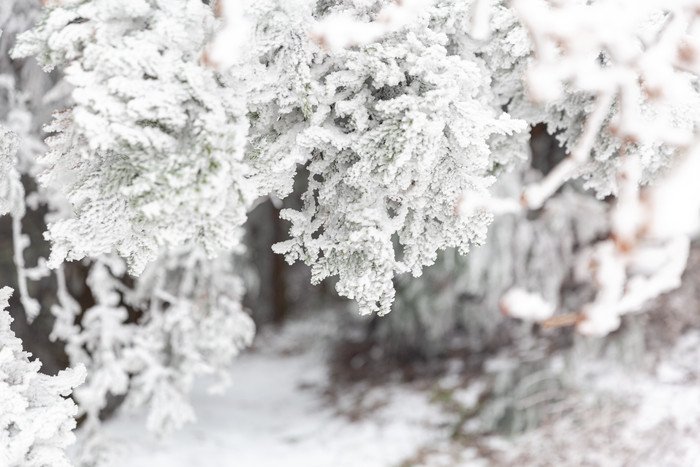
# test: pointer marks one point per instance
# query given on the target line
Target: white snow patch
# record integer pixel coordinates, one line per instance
(275, 414)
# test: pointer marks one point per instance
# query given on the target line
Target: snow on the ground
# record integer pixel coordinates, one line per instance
(278, 413)
(275, 414)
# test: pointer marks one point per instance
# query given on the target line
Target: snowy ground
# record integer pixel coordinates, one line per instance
(278, 413)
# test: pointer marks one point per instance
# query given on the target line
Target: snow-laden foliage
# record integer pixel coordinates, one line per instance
(396, 133)
(186, 321)
(146, 338)
(279, 77)
(150, 154)
(401, 131)
(193, 324)
(36, 416)
(396, 117)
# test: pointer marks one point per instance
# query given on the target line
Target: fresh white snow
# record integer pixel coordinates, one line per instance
(276, 414)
